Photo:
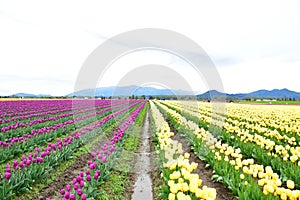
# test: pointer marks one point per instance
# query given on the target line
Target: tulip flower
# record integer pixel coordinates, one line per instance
(67, 195)
(83, 197)
(7, 175)
(72, 197)
(68, 188)
(79, 192)
(81, 183)
(62, 191)
(76, 186)
(81, 174)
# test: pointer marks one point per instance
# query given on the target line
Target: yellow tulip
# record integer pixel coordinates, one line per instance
(290, 184)
(283, 196)
(242, 176)
(171, 196)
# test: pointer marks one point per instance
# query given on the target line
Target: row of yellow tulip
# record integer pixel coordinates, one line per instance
(269, 180)
(283, 118)
(280, 118)
(287, 152)
(182, 182)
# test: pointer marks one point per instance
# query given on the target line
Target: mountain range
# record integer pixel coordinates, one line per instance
(30, 95)
(151, 91)
(128, 91)
(273, 94)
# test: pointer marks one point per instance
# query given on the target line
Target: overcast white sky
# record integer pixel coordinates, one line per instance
(254, 44)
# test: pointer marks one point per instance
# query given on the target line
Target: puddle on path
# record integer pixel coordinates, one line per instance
(143, 184)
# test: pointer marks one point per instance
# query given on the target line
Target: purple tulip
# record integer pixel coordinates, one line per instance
(40, 160)
(76, 186)
(88, 178)
(22, 164)
(96, 176)
(78, 179)
(28, 162)
(98, 172)
(43, 154)
(67, 195)
(89, 162)
(7, 175)
(79, 192)
(104, 159)
(62, 191)
(81, 183)
(83, 197)
(81, 174)
(72, 197)
(68, 188)
(93, 155)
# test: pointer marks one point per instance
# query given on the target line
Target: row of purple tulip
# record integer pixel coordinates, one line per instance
(11, 111)
(82, 108)
(11, 141)
(86, 184)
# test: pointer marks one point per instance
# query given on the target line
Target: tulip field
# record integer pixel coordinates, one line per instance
(253, 150)
(69, 149)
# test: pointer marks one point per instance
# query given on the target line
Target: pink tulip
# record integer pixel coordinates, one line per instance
(68, 188)
(7, 175)
(81, 174)
(62, 191)
(78, 179)
(67, 195)
(88, 178)
(72, 197)
(81, 183)
(22, 164)
(83, 197)
(79, 192)
(76, 186)
(28, 162)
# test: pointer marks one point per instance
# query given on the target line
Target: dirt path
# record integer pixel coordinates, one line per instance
(143, 185)
(64, 178)
(205, 174)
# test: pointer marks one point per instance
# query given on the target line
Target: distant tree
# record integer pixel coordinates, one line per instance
(286, 98)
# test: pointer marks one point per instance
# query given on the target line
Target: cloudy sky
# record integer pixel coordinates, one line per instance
(253, 44)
